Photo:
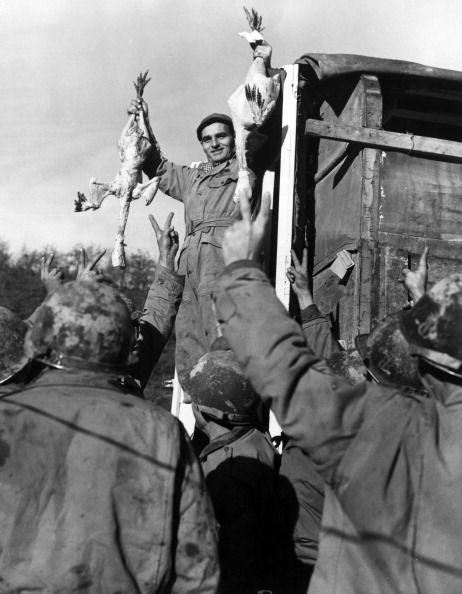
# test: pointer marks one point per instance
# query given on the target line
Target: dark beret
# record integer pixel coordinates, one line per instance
(222, 118)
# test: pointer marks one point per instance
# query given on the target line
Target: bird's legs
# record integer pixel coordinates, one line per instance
(246, 177)
(98, 192)
(118, 255)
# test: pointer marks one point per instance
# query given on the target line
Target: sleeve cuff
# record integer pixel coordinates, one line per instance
(163, 275)
(310, 313)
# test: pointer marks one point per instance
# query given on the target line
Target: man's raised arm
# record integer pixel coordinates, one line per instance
(162, 301)
(172, 177)
(320, 410)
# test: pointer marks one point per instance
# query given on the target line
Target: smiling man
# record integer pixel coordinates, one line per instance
(216, 134)
(207, 194)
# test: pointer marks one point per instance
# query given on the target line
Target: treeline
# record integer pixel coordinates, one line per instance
(22, 291)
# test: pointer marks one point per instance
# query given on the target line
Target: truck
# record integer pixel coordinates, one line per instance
(370, 173)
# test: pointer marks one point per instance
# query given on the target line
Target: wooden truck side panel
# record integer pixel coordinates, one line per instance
(385, 197)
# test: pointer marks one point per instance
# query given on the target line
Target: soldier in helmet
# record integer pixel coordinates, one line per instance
(99, 490)
(14, 362)
(154, 324)
(392, 519)
(240, 467)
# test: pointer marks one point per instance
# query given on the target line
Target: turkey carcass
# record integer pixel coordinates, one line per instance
(134, 146)
(252, 103)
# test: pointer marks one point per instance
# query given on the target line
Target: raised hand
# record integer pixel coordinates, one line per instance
(87, 270)
(137, 105)
(416, 281)
(52, 278)
(298, 278)
(167, 241)
(244, 239)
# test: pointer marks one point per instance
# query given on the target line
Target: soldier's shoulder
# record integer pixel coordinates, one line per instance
(7, 389)
(156, 412)
(259, 442)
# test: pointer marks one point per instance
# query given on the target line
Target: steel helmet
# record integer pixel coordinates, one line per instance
(388, 355)
(433, 327)
(82, 323)
(12, 356)
(219, 388)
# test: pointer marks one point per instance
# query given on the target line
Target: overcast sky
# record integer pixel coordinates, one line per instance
(66, 71)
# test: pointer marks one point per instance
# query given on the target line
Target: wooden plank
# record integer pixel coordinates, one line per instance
(445, 94)
(286, 196)
(449, 249)
(286, 183)
(410, 143)
(368, 281)
(428, 116)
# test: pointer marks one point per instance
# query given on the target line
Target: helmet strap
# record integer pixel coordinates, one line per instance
(57, 361)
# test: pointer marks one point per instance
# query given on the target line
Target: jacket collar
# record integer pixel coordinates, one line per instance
(78, 377)
(224, 440)
(231, 163)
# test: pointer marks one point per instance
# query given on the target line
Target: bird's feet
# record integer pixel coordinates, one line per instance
(254, 19)
(141, 81)
(81, 203)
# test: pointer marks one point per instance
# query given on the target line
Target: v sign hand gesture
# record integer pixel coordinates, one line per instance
(167, 241)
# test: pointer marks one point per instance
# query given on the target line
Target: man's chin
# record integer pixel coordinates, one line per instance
(216, 160)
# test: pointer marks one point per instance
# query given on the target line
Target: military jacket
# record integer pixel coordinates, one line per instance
(208, 202)
(240, 469)
(99, 492)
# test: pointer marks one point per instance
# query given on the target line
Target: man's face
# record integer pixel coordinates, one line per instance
(218, 142)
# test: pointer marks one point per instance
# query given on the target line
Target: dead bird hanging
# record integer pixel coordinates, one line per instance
(134, 145)
(252, 103)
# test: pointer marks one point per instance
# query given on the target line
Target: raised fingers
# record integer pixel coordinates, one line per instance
(295, 259)
(264, 213)
(155, 226)
(46, 262)
(305, 259)
(96, 259)
(81, 261)
(168, 221)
